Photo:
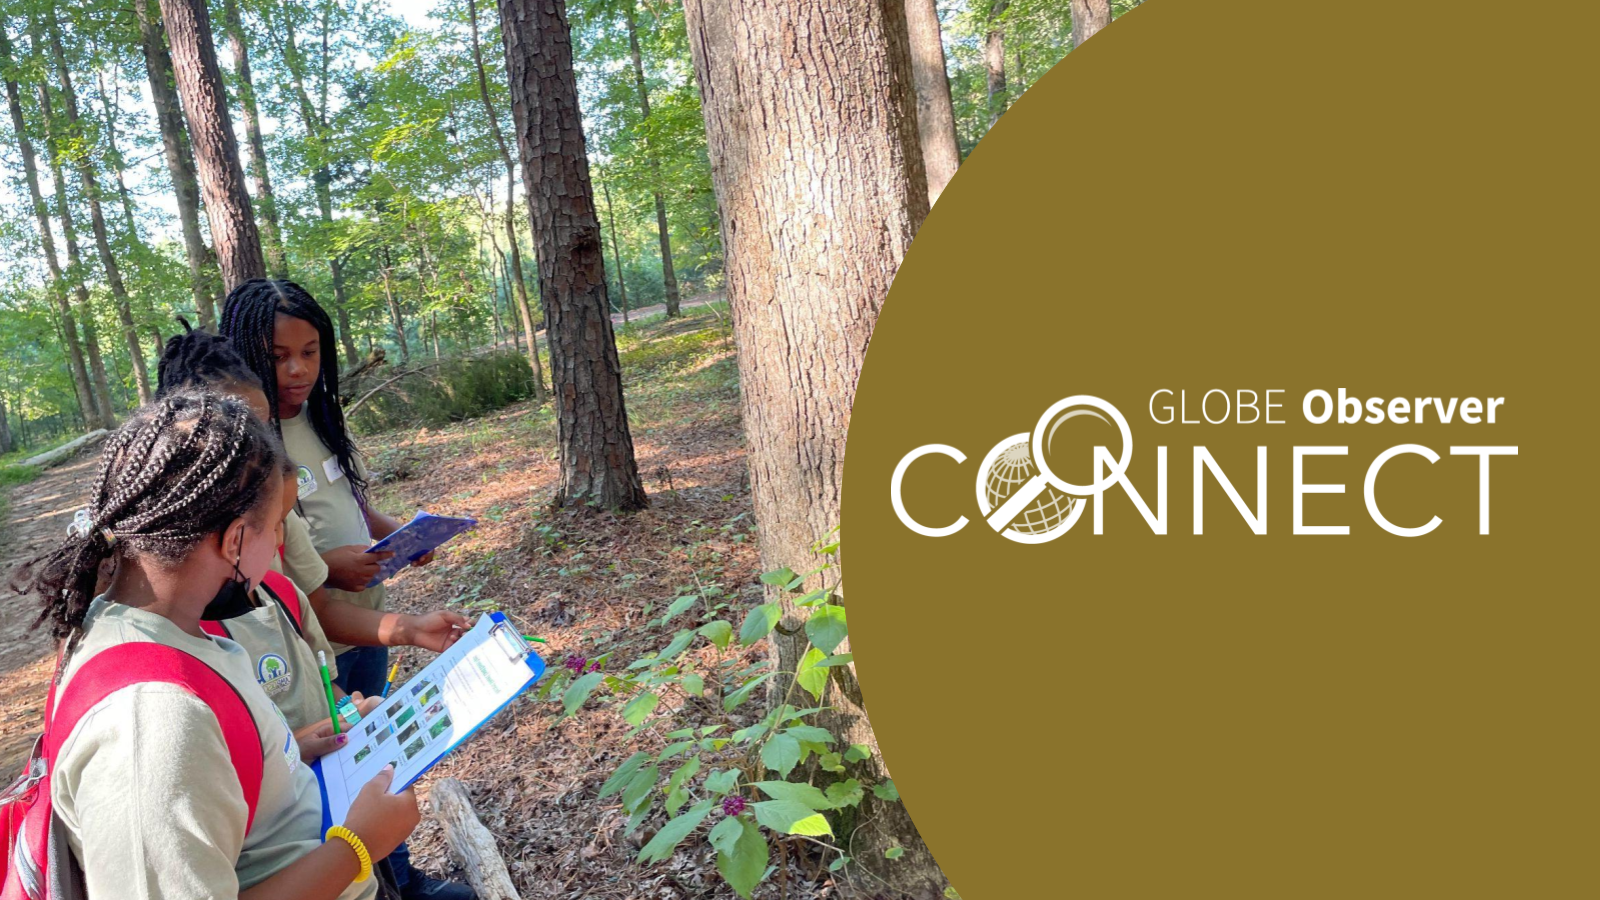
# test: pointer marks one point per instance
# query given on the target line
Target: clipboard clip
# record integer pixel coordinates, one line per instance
(509, 640)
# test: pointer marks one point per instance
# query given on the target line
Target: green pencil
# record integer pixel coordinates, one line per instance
(327, 685)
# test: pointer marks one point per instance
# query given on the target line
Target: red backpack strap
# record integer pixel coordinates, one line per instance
(141, 662)
(281, 587)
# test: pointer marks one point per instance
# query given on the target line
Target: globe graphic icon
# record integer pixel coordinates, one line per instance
(1011, 470)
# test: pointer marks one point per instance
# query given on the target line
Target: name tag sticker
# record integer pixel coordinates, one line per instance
(307, 482)
(330, 468)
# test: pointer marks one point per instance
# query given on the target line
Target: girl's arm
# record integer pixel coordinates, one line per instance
(346, 623)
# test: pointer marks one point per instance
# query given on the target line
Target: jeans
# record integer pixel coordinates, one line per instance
(365, 669)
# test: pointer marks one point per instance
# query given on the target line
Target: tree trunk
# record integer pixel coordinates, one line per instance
(233, 222)
(523, 306)
(597, 462)
(1088, 17)
(936, 117)
(813, 239)
(57, 289)
(97, 219)
(99, 384)
(203, 276)
(110, 103)
(622, 284)
(994, 58)
(271, 235)
(5, 426)
(669, 277)
(394, 311)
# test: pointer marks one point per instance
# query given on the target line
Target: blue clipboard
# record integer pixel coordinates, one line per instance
(417, 538)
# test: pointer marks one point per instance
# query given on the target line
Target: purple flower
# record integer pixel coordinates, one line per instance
(576, 664)
(593, 667)
(732, 806)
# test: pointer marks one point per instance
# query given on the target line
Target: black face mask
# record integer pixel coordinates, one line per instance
(233, 599)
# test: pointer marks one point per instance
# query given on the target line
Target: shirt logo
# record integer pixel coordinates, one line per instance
(307, 482)
(272, 671)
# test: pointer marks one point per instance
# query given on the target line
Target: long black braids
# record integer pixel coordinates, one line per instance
(249, 319)
(181, 469)
(197, 359)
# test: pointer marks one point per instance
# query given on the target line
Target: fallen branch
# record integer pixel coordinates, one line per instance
(66, 451)
(368, 395)
(472, 842)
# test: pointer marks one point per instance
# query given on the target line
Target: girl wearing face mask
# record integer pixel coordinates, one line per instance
(188, 502)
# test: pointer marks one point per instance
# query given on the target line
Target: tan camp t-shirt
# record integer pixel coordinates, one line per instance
(148, 794)
(301, 562)
(328, 503)
(285, 665)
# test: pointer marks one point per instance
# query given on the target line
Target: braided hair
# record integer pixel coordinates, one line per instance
(250, 319)
(181, 469)
(197, 359)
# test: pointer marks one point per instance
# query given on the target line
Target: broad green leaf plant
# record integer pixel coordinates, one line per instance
(747, 791)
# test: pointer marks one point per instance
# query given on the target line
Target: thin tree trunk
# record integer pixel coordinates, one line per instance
(994, 58)
(5, 426)
(1088, 17)
(205, 104)
(394, 310)
(110, 102)
(203, 275)
(97, 219)
(523, 306)
(321, 177)
(622, 283)
(57, 289)
(803, 307)
(271, 235)
(100, 385)
(597, 462)
(433, 326)
(936, 117)
(669, 277)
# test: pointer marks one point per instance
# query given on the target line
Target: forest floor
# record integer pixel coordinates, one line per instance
(588, 581)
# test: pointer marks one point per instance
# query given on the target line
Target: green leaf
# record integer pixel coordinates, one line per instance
(810, 733)
(673, 833)
(820, 595)
(678, 606)
(753, 733)
(886, 791)
(680, 734)
(826, 627)
(791, 817)
(733, 700)
(676, 798)
(726, 834)
(673, 750)
(680, 643)
(894, 853)
(838, 864)
(845, 793)
(950, 894)
(619, 779)
(694, 685)
(813, 679)
(780, 578)
(781, 754)
(723, 782)
(639, 788)
(806, 794)
(745, 865)
(857, 753)
(717, 632)
(580, 691)
(759, 622)
(684, 772)
(843, 659)
(640, 708)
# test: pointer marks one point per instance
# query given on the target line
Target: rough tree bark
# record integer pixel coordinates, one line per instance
(271, 235)
(41, 214)
(395, 318)
(1088, 17)
(99, 383)
(616, 254)
(203, 275)
(994, 59)
(669, 277)
(597, 462)
(97, 219)
(205, 105)
(523, 307)
(936, 116)
(812, 131)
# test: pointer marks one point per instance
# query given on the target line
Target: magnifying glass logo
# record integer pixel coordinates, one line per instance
(1043, 434)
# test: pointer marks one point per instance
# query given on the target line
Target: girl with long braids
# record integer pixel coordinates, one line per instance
(146, 785)
(287, 340)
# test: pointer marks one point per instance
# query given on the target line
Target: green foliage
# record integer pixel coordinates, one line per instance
(448, 391)
(778, 778)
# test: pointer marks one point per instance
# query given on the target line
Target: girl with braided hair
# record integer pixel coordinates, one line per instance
(287, 340)
(146, 785)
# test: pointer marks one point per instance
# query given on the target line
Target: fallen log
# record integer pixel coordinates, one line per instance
(472, 842)
(66, 451)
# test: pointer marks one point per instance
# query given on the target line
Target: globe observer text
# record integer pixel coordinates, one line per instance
(1046, 512)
